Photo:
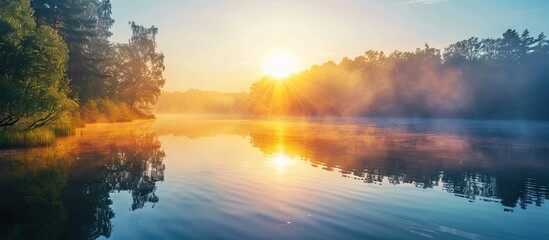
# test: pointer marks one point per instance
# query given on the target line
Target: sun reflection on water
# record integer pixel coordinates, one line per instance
(281, 161)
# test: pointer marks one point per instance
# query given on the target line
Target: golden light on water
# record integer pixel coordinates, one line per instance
(281, 161)
(280, 65)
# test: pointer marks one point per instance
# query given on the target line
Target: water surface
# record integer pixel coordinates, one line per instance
(212, 177)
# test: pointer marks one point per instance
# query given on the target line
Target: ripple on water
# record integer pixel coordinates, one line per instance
(263, 187)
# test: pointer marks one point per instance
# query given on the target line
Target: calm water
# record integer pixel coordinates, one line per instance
(212, 178)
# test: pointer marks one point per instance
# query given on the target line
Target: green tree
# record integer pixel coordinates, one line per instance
(32, 70)
(84, 26)
(137, 70)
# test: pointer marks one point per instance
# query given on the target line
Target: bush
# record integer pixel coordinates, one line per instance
(109, 111)
(90, 112)
(106, 110)
(76, 120)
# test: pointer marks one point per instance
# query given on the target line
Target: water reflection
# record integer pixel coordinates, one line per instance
(131, 162)
(66, 191)
(281, 161)
(69, 196)
(30, 202)
(468, 166)
(504, 162)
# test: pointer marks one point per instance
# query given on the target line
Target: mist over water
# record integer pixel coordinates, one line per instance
(431, 143)
(383, 178)
(490, 78)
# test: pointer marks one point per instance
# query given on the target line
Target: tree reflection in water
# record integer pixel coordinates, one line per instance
(63, 191)
(487, 161)
(131, 163)
(469, 165)
(30, 203)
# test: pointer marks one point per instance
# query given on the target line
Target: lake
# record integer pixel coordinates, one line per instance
(223, 177)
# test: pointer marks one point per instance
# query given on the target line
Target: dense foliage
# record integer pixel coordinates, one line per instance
(56, 55)
(32, 70)
(84, 25)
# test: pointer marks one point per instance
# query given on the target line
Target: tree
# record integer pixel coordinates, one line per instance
(137, 70)
(511, 46)
(32, 70)
(465, 50)
(542, 45)
(94, 85)
(84, 26)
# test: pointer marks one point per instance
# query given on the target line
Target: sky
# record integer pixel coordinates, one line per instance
(222, 45)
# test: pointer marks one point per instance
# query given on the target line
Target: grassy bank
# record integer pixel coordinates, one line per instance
(37, 137)
(93, 111)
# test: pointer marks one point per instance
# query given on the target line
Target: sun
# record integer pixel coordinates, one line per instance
(280, 65)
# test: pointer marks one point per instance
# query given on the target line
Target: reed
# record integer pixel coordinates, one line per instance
(37, 137)
(63, 130)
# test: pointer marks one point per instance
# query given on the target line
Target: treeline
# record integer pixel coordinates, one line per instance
(198, 101)
(504, 77)
(59, 69)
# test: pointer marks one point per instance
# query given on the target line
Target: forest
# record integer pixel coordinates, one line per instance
(59, 70)
(489, 78)
(486, 78)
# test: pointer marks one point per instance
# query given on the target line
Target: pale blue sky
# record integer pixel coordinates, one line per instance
(221, 45)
